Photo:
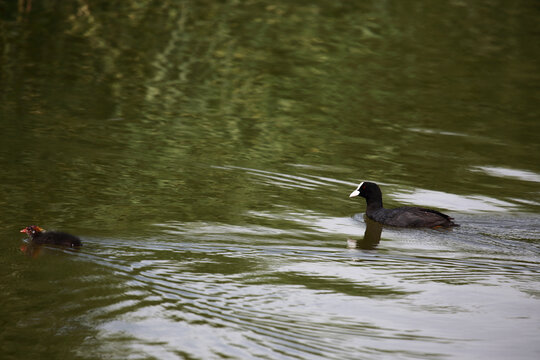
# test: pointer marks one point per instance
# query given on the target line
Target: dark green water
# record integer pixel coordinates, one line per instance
(204, 152)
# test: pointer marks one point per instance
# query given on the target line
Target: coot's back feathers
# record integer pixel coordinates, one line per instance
(411, 217)
(402, 216)
(57, 238)
(39, 236)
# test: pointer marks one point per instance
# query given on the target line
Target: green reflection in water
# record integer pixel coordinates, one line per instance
(117, 116)
(129, 114)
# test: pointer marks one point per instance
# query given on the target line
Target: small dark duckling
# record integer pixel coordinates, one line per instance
(39, 236)
(402, 216)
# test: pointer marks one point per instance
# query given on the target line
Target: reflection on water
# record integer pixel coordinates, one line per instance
(468, 203)
(510, 173)
(32, 250)
(430, 131)
(372, 236)
(283, 285)
(204, 152)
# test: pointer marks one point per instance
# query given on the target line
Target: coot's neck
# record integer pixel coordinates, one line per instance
(373, 204)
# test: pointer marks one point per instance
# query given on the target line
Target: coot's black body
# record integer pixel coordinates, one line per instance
(402, 216)
(38, 236)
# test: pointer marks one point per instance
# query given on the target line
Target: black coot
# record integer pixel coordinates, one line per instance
(39, 236)
(403, 216)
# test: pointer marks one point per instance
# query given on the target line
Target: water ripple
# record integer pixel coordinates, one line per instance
(298, 291)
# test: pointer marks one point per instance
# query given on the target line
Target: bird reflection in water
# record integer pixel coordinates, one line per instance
(31, 250)
(34, 251)
(372, 236)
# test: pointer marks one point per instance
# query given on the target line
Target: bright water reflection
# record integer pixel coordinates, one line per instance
(300, 290)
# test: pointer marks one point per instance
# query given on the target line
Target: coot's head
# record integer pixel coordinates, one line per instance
(367, 190)
(32, 230)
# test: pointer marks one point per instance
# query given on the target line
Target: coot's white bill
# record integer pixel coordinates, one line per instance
(357, 191)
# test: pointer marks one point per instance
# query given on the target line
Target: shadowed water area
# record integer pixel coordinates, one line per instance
(204, 152)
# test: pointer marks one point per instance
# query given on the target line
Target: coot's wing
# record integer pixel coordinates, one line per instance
(420, 217)
(437, 212)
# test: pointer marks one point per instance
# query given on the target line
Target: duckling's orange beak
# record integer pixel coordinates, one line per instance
(24, 231)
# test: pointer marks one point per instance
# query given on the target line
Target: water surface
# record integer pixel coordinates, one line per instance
(204, 152)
